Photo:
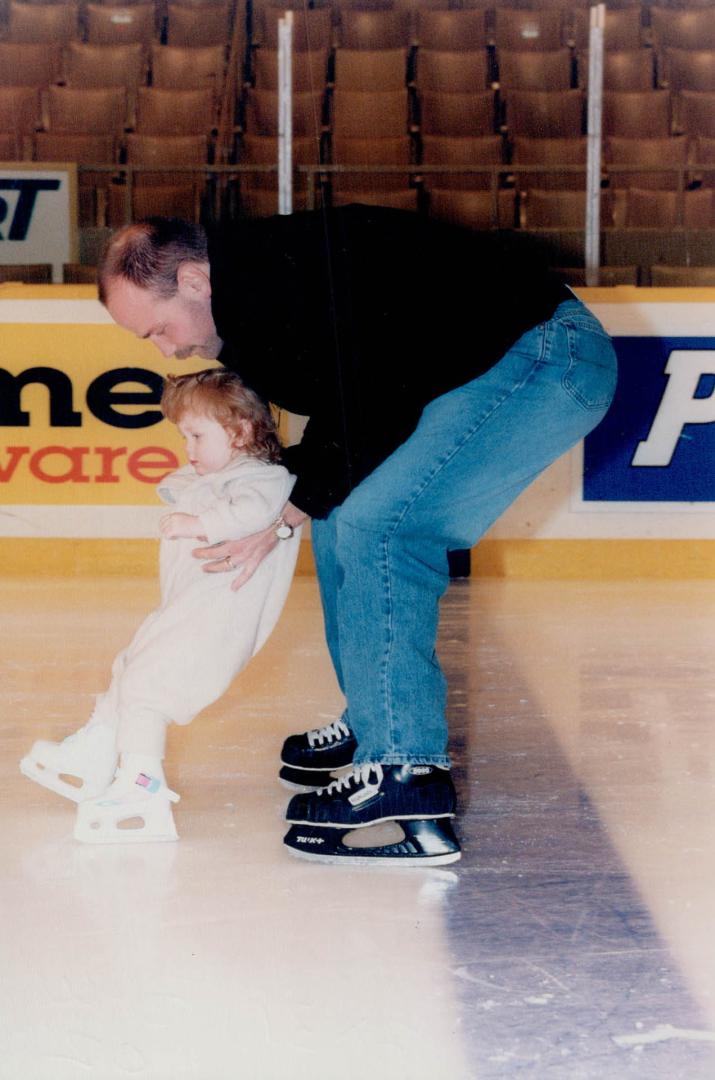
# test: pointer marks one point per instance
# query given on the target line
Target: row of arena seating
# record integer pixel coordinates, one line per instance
(147, 118)
(541, 114)
(461, 30)
(451, 71)
(83, 64)
(175, 22)
(505, 27)
(505, 208)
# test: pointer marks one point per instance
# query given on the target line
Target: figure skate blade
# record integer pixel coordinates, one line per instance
(405, 843)
(76, 788)
(126, 822)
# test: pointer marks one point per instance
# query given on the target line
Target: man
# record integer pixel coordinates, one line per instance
(441, 371)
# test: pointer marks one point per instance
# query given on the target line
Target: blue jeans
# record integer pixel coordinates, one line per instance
(382, 555)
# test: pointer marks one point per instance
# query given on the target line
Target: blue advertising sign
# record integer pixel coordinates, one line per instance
(657, 443)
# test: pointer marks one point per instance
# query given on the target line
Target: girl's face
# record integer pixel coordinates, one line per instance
(209, 446)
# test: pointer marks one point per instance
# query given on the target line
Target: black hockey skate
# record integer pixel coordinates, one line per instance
(410, 805)
(309, 761)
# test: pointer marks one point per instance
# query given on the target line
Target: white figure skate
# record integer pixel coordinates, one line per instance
(80, 767)
(136, 808)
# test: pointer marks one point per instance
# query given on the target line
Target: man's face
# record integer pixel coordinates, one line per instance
(180, 326)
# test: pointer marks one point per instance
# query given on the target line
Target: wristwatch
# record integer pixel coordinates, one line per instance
(283, 530)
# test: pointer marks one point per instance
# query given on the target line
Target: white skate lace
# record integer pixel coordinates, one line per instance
(337, 730)
(359, 775)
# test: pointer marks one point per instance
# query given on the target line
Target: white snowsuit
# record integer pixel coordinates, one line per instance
(186, 653)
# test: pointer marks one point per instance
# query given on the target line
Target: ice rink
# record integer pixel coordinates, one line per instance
(574, 940)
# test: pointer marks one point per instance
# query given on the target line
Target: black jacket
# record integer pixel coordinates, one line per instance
(357, 318)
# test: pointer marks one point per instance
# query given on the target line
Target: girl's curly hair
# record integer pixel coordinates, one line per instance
(221, 395)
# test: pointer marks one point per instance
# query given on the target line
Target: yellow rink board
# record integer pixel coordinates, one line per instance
(622, 560)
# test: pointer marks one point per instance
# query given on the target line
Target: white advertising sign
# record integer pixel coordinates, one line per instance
(38, 215)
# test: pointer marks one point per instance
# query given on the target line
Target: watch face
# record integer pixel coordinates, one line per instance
(284, 532)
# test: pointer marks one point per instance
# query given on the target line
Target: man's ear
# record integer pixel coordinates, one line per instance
(194, 280)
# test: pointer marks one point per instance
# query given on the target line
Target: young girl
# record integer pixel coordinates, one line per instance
(186, 653)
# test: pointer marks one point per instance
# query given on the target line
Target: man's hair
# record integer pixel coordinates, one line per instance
(222, 396)
(149, 253)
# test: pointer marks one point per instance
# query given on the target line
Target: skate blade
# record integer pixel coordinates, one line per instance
(137, 825)
(307, 780)
(53, 781)
(405, 843)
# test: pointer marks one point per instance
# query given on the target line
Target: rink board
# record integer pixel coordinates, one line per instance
(84, 445)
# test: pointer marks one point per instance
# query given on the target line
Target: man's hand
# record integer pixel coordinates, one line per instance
(181, 527)
(246, 555)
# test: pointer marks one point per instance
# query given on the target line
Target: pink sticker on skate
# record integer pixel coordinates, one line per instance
(151, 783)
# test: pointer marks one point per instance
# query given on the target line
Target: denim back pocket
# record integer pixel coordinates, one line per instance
(592, 372)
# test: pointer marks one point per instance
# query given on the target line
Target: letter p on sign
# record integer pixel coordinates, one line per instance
(679, 405)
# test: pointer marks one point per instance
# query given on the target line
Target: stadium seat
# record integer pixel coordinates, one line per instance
(457, 114)
(263, 150)
(10, 146)
(623, 69)
(688, 69)
(552, 114)
(552, 152)
(370, 70)
(682, 29)
(451, 31)
(607, 275)
(183, 67)
(695, 111)
(98, 66)
(440, 71)
(562, 209)
(54, 24)
(465, 151)
(637, 114)
(166, 193)
(79, 274)
(474, 209)
(312, 29)
(671, 150)
(647, 209)
(19, 115)
(623, 29)
(27, 273)
(91, 111)
(93, 186)
(261, 115)
(356, 115)
(531, 70)
(373, 29)
(195, 25)
(702, 151)
(398, 200)
(370, 152)
(528, 30)
(175, 112)
(28, 64)
(309, 70)
(688, 276)
(111, 25)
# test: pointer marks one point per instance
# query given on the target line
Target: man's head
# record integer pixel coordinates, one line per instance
(154, 279)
